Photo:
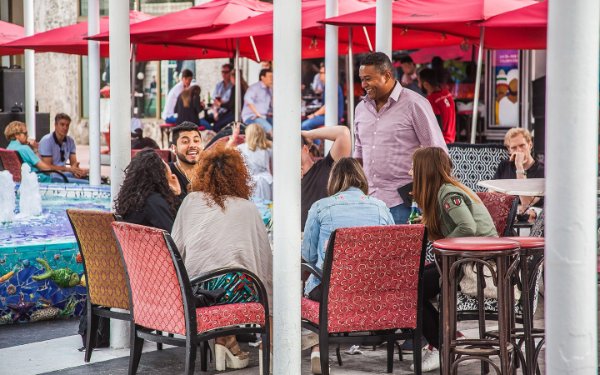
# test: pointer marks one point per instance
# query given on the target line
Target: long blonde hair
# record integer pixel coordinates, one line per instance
(432, 168)
(257, 138)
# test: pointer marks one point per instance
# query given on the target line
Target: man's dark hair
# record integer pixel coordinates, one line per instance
(186, 73)
(429, 76)
(406, 60)
(61, 116)
(380, 61)
(228, 66)
(185, 126)
(264, 72)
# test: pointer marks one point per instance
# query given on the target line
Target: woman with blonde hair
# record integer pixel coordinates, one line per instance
(258, 153)
(348, 205)
(450, 209)
(218, 226)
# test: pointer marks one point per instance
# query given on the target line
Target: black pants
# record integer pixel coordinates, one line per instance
(315, 294)
(431, 316)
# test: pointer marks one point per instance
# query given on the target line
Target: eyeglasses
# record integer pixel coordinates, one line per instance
(22, 133)
(225, 71)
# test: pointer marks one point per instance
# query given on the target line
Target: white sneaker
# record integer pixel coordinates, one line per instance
(430, 360)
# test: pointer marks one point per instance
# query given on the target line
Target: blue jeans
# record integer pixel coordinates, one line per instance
(265, 123)
(400, 213)
(312, 123)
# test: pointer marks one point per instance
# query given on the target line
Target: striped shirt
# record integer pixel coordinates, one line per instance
(386, 140)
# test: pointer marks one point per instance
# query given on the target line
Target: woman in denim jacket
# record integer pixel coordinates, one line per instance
(348, 205)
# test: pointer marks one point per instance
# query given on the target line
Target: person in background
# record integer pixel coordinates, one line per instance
(57, 148)
(258, 154)
(186, 145)
(317, 118)
(16, 134)
(409, 74)
(258, 102)
(390, 123)
(442, 103)
(315, 173)
(218, 226)
(149, 192)
(521, 165)
(442, 74)
(223, 89)
(226, 113)
(168, 114)
(450, 210)
(348, 205)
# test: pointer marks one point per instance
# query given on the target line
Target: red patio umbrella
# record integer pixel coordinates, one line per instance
(523, 28)
(425, 55)
(203, 18)
(70, 39)
(8, 33)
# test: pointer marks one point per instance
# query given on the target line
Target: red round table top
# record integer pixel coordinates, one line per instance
(475, 244)
(528, 242)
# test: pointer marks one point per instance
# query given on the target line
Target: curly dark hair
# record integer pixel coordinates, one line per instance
(221, 172)
(143, 176)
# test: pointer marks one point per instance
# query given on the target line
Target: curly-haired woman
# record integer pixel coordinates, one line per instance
(148, 194)
(218, 226)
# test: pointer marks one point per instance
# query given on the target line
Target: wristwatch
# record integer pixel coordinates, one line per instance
(523, 172)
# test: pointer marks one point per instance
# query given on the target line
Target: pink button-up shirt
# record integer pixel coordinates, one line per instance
(386, 140)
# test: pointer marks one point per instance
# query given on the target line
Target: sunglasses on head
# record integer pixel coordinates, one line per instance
(62, 155)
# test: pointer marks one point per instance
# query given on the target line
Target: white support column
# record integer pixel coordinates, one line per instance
(350, 68)
(29, 21)
(286, 189)
(475, 116)
(331, 69)
(571, 188)
(383, 27)
(94, 91)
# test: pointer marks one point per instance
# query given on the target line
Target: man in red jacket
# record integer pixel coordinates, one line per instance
(442, 102)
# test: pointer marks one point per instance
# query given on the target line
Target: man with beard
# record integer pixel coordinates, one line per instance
(187, 145)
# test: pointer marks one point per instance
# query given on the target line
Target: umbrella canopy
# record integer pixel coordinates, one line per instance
(8, 33)
(203, 18)
(459, 18)
(425, 55)
(255, 34)
(523, 28)
(70, 39)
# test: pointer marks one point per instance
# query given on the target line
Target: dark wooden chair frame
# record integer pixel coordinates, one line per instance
(365, 338)
(193, 339)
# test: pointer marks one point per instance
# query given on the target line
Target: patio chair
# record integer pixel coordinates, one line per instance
(371, 287)
(11, 161)
(161, 299)
(475, 162)
(103, 270)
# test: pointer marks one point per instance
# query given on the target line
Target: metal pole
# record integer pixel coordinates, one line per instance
(238, 88)
(383, 27)
(331, 69)
(571, 188)
(350, 87)
(475, 117)
(28, 15)
(94, 91)
(286, 186)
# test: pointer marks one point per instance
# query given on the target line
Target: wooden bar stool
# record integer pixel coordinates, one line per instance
(451, 254)
(165, 130)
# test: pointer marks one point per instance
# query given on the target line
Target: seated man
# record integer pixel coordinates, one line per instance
(521, 165)
(316, 119)
(16, 134)
(57, 148)
(168, 114)
(187, 146)
(258, 102)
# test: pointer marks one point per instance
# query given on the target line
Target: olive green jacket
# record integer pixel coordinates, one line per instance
(461, 216)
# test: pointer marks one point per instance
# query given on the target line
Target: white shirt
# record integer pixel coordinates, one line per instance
(172, 99)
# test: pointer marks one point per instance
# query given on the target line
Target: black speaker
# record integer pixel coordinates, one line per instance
(12, 89)
(538, 109)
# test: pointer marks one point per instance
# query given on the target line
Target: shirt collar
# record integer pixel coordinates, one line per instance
(395, 95)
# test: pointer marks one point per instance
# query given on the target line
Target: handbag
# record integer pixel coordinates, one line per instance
(468, 282)
(205, 297)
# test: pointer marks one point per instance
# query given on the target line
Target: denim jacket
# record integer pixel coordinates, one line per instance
(350, 208)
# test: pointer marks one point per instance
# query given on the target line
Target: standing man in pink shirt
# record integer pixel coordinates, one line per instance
(391, 122)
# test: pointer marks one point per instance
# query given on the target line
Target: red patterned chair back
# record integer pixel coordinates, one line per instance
(104, 270)
(156, 278)
(11, 162)
(371, 278)
(164, 154)
(502, 209)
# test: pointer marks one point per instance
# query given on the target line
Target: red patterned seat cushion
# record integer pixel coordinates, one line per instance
(229, 315)
(499, 206)
(310, 310)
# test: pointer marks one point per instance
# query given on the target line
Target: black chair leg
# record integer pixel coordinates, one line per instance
(391, 340)
(159, 344)
(135, 350)
(417, 352)
(266, 339)
(90, 334)
(400, 356)
(338, 354)
(190, 358)
(324, 353)
(204, 350)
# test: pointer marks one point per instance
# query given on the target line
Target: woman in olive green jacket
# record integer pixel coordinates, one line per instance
(450, 209)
